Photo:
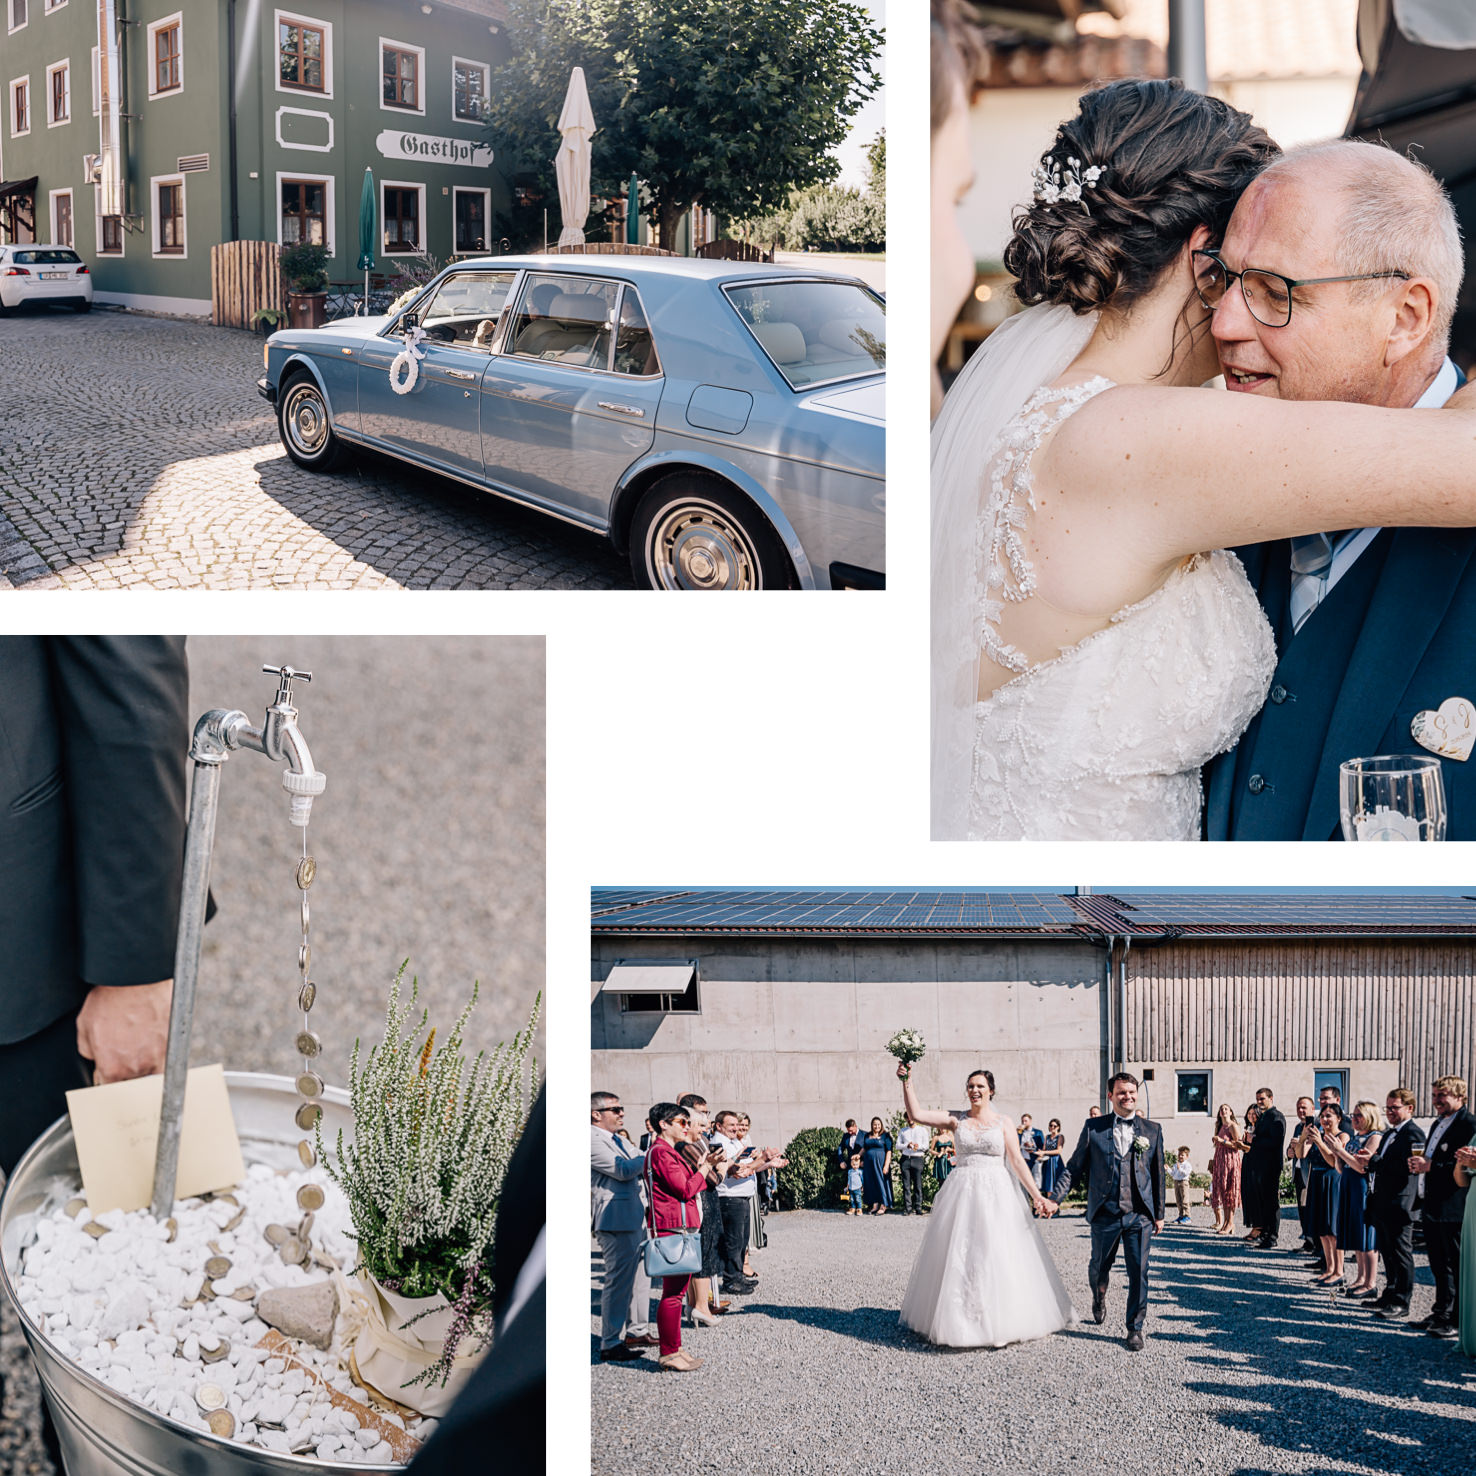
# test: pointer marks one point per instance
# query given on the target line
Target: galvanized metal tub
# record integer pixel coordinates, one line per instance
(102, 1433)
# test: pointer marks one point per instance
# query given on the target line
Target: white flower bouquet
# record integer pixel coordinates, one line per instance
(908, 1047)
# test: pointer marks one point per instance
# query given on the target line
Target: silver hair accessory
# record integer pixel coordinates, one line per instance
(1055, 182)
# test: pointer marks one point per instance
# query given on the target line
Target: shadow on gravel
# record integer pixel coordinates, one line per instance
(1391, 1397)
(454, 526)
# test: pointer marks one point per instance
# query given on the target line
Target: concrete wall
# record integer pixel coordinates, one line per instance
(794, 1032)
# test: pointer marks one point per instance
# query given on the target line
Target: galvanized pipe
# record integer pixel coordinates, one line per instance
(1187, 57)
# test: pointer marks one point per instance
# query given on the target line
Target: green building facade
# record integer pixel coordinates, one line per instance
(245, 120)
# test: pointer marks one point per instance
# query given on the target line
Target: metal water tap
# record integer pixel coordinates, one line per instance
(218, 734)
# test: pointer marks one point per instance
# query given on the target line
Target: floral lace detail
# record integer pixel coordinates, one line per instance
(1106, 741)
(978, 1143)
(1008, 575)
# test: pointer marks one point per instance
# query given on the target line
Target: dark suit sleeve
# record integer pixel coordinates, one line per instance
(124, 708)
(1155, 1172)
(1074, 1169)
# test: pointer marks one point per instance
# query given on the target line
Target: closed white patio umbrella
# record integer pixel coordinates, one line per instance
(576, 124)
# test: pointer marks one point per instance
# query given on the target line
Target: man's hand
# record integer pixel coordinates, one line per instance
(1418, 1163)
(1045, 1208)
(1157, 1226)
(123, 1029)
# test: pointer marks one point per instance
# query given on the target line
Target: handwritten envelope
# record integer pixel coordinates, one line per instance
(116, 1128)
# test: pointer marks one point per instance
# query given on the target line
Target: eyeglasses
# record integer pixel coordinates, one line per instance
(620, 1111)
(1268, 295)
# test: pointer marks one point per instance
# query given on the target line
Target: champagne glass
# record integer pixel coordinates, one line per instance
(1394, 797)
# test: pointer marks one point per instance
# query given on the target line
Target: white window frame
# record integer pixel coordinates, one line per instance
(16, 82)
(10, 30)
(54, 196)
(330, 222)
(486, 193)
(98, 229)
(51, 71)
(1209, 1090)
(51, 5)
(385, 107)
(184, 214)
(403, 184)
(96, 82)
(464, 61)
(293, 17)
(177, 19)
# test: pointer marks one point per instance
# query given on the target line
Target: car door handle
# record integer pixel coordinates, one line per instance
(622, 409)
(460, 374)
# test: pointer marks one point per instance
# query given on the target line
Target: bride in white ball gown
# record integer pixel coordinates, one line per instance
(982, 1277)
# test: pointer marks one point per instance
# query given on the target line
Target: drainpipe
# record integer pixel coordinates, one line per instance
(231, 126)
(1122, 1004)
(1104, 1056)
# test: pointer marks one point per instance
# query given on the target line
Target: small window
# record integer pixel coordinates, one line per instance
(1336, 1076)
(401, 215)
(468, 89)
(466, 309)
(54, 5)
(166, 57)
(20, 107)
(110, 236)
(669, 1004)
(304, 212)
(61, 218)
(565, 320)
(635, 350)
(1194, 1094)
(471, 220)
(171, 219)
(59, 83)
(18, 14)
(401, 68)
(815, 332)
(301, 52)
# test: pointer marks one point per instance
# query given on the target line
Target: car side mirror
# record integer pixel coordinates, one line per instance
(409, 321)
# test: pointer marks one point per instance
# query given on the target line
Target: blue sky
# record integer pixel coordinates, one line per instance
(870, 120)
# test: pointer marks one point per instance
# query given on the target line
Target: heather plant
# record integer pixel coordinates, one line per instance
(423, 1177)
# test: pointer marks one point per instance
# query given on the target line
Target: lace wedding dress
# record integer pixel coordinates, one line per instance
(983, 1277)
(1106, 740)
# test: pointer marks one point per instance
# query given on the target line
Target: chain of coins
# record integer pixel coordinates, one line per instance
(309, 1047)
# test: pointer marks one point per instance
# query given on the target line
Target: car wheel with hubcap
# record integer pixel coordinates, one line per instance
(693, 532)
(302, 420)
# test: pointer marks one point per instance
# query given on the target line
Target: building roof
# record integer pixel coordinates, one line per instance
(1245, 40)
(828, 912)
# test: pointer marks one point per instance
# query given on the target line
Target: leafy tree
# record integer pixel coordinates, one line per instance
(728, 106)
(876, 168)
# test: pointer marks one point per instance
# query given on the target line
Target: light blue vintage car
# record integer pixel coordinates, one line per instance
(721, 422)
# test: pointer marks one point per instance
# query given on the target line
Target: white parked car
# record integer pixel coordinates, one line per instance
(43, 274)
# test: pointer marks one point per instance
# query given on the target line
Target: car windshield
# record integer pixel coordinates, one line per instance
(52, 256)
(815, 332)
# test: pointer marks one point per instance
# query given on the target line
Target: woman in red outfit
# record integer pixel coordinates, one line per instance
(674, 1188)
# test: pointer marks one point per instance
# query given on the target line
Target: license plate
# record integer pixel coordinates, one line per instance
(54, 276)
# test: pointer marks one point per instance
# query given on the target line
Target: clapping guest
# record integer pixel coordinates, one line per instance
(758, 1238)
(1317, 1145)
(876, 1168)
(704, 1308)
(941, 1153)
(1050, 1153)
(1465, 1171)
(1443, 1202)
(1179, 1171)
(912, 1143)
(1225, 1169)
(675, 1186)
(1391, 1202)
(1355, 1229)
(1301, 1167)
(618, 1205)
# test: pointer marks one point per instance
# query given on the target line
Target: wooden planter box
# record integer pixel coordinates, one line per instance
(307, 309)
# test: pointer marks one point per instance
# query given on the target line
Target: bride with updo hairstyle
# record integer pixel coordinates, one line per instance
(1093, 643)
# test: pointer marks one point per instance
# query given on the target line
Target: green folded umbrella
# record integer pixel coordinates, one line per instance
(633, 212)
(366, 232)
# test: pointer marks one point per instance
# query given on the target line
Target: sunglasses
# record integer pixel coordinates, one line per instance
(618, 1111)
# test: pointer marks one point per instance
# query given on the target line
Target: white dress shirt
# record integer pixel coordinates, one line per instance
(1122, 1134)
(913, 1141)
(1309, 590)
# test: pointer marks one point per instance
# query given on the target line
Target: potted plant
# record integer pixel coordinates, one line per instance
(423, 1180)
(305, 267)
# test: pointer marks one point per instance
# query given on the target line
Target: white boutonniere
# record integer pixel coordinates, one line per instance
(1141, 1145)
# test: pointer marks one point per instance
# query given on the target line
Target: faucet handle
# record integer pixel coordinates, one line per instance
(285, 676)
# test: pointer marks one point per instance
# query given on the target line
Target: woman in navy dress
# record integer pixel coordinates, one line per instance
(1050, 1157)
(1355, 1229)
(1318, 1145)
(876, 1168)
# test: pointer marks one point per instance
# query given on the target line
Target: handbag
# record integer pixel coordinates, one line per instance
(676, 1253)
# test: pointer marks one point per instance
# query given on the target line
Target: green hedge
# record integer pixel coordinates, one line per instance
(813, 1177)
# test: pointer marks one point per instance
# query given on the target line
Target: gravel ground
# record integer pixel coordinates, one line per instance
(1246, 1370)
(429, 843)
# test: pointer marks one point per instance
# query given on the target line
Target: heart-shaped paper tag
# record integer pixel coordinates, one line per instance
(1449, 731)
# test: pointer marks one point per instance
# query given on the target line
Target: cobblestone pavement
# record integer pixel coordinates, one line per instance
(135, 452)
(429, 844)
(1247, 1370)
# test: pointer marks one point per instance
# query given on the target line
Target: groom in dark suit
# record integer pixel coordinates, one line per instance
(1373, 626)
(1121, 1156)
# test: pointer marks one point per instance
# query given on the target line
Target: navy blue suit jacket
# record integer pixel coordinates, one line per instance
(1096, 1158)
(1394, 637)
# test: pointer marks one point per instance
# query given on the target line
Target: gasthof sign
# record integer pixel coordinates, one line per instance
(427, 146)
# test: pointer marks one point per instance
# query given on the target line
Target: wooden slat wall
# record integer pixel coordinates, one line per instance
(1307, 1001)
(244, 276)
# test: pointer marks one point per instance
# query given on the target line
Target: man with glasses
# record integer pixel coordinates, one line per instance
(1337, 280)
(618, 1202)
